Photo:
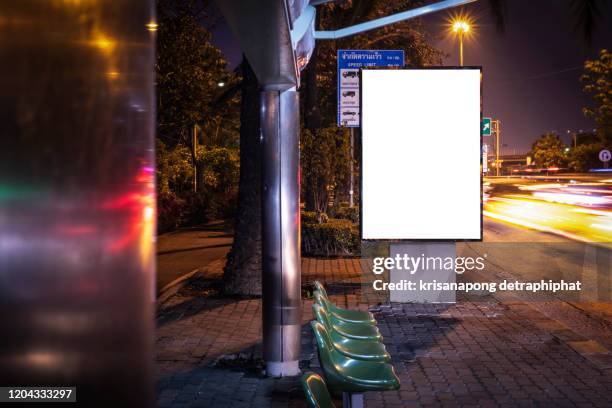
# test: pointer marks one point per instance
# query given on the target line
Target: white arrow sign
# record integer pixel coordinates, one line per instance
(486, 126)
(605, 155)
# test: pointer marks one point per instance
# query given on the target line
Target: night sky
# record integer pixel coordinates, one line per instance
(531, 70)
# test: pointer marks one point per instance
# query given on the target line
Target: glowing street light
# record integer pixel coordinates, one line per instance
(221, 84)
(152, 26)
(461, 27)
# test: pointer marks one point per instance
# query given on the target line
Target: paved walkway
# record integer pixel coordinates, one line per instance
(474, 353)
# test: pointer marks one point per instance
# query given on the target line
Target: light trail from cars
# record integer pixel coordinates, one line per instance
(577, 211)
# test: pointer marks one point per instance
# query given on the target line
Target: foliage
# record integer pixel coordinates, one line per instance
(584, 15)
(597, 82)
(220, 168)
(347, 213)
(170, 211)
(178, 205)
(408, 35)
(325, 149)
(334, 238)
(584, 157)
(192, 208)
(308, 217)
(205, 205)
(548, 151)
(188, 70)
(325, 160)
(174, 169)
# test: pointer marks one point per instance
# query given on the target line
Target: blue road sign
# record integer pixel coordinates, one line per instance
(349, 64)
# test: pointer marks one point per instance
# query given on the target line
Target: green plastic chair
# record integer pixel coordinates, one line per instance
(349, 375)
(359, 331)
(369, 350)
(354, 316)
(351, 316)
(316, 391)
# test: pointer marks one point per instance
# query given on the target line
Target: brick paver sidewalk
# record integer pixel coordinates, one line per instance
(483, 353)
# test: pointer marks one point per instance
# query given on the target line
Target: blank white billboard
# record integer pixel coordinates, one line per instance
(421, 154)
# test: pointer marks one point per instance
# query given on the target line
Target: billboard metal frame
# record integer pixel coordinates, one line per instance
(421, 240)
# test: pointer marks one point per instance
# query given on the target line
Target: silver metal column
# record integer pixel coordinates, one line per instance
(77, 198)
(281, 232)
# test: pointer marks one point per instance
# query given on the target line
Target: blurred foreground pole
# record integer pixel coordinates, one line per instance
(77, 204)
(281, 281)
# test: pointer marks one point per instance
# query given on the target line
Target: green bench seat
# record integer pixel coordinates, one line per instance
(359, 349)
(350, 375)
(354, 316)
(359, 331)
(317, 394)
(368, 350)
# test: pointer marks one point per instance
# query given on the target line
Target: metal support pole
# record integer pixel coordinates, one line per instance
(194, 153)
(352, 187)
(461, 48)
(352, 400)
(497, 135)
(281, 286)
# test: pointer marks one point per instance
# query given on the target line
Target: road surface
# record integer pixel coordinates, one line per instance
(518, 253)
(182, 251)
(578, 207)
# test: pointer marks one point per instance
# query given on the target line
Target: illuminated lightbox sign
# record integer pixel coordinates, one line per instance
(421, 154)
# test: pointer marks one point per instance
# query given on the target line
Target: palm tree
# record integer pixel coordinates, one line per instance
(584, 15)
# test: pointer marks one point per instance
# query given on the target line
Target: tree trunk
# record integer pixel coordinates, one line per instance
(242, 274)
(312, 115)
(312, 121)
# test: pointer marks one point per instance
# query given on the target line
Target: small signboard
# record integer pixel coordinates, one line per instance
(349, 64)
(605, 157)
(486, 127)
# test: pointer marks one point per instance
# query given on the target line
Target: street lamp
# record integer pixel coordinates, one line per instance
(152, 26)
(461, 27)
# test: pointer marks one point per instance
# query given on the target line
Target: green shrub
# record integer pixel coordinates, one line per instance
(178, 205)
(334, 238)
(193, 208)
(174, 169)
(199, 208)
(170, 211)
(205, 206)
(314, 217)
(221, 168)
(309, 217)
(347, 213)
